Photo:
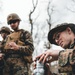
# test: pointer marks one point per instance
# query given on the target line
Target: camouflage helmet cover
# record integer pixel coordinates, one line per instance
(59, 28)
(6, 29)
(13, 16)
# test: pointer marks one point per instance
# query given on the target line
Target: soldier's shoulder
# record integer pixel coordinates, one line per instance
(25, 31)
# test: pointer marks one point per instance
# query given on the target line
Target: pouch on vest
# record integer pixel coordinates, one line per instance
(65, 61)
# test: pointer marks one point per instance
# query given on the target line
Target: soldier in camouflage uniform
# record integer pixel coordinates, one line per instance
(62, 35)
(4, 31)
(18, 49)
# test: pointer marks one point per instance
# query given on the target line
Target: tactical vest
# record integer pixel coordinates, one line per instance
(16, 37)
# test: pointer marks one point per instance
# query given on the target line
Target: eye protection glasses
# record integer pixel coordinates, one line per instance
(56, 36)
(12, 21)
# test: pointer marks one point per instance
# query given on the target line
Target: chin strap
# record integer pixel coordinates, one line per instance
(72, 45)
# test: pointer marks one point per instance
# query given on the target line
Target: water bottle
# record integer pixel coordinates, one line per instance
(39, 68)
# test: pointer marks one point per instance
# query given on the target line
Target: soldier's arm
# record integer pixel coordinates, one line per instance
(64, 55)
(64, 61)
(28, 48)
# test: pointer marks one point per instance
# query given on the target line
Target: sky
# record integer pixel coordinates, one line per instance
(64, 11)
(21, 7)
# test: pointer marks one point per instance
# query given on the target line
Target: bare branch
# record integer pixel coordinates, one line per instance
(34, 6)
(31, 12)
(49, 14)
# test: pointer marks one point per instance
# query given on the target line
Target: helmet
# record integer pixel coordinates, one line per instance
(59, 28)
(6, 29)
(13, 16)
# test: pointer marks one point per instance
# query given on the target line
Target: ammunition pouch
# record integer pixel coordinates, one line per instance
(66, 61)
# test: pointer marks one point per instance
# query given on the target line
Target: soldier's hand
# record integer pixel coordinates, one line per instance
(13, 46)
(48, 56)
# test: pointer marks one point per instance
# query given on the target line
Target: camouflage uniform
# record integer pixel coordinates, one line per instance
(3, 30)
(1, 61)
(18, 62)
(65, 56)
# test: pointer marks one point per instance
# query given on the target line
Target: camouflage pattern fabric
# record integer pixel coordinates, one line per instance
(15, 66)
(64, 61)
(1, 61)
(18, 62)
(22, 38)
